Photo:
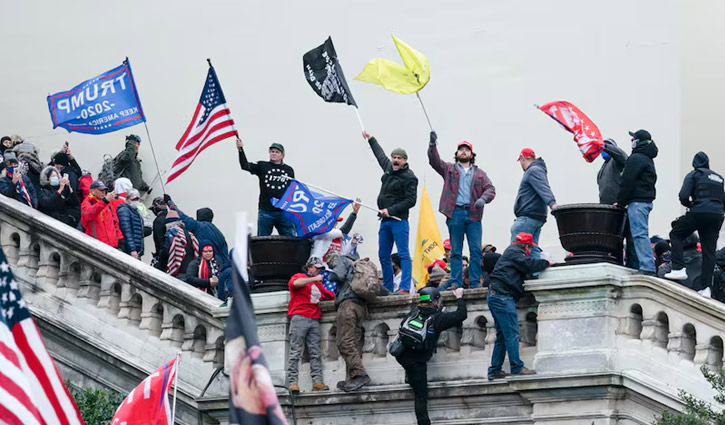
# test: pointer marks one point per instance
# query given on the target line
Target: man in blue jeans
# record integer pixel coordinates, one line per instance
(533, 198)
(466, 190)
(636, 193)
(274, 176)
(504, 290)
(398, 194)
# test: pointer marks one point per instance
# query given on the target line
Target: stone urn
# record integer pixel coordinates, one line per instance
(593, 233)
(274, 259)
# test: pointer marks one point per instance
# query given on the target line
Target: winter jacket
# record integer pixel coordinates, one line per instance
(399, 190)
(273, 179)
(639, 175)
(610, 174)
(534, 192)
(192, 275)
(27, 155)
(718, 281)
(100, 221)
(204, 229)
(440, 322)
(702, 190)
(9, 189)
(481, 186)
(126, 164)
(159, 231)
(131, 224)
(84, 186)
(511, 269)
(64, 207)
(342, 273)
(163, 255)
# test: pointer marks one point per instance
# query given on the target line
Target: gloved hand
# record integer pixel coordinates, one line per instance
(167, 198)
(479, 203)
(610, 142)
(433, 138)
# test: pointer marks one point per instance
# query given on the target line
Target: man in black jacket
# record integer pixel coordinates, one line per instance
(610, 174)
(415, 362)
(636, 193)
(398, 194)
(274, 176)
(504, 290)
(702, 193)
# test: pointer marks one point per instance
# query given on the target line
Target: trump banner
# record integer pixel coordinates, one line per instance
(148, 403)
(312, 213)
(324, 73)
(105, 103)
(586, 133)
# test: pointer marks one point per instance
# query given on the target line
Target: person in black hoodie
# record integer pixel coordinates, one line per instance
(702, 193)
(415, 362)
(398, 194)
(57, 198)
(504, 290)
(274, 177)
(610, 174)
(636, 193)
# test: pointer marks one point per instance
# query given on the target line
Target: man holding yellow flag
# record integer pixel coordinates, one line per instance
(466, 190)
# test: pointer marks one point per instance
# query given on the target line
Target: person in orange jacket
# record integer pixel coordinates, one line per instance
(98, 216)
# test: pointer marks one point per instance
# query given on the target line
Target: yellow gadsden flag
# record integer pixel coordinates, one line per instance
(428, 242)
(405, 80)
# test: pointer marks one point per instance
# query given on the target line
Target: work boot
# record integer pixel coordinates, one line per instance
(341, 385)
(525, 371)
(498, 375)
(320, 386)
(294, 388)
(677, 274)
(356, 383)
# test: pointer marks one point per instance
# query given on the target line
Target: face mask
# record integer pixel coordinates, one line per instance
(55, 181)
(11, 169)
(634, 143)
(133, 204)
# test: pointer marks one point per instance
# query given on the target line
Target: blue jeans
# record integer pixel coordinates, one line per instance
(528, 225)
(458, 226)
(266, 220)
(503, 310)
(638, 215)
(393, 231)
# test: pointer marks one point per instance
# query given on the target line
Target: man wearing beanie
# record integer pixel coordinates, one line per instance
(466, 189)
(126, 164)
(398, 194)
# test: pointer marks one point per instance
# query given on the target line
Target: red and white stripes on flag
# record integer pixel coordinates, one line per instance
(212, 122)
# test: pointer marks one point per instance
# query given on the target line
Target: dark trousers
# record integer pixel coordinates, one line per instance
(708, 227)
(417, 373)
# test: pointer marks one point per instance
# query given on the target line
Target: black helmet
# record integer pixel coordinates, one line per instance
(429, 294)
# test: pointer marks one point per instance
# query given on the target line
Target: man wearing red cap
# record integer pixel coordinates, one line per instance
(466, 190)
(532, 200)
(504, 290)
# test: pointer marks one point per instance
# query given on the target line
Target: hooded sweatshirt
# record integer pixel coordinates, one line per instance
(702, 189)
(639, 175)
(610, 175)
(534, 192)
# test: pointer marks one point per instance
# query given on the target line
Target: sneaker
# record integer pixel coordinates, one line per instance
(524, 372)
(356, 383)
(320, 386)
(498, 375)
(707, 293)
(294, 388)
(677, 274)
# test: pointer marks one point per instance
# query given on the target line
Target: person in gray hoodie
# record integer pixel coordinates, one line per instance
(532, 200)
(610, 174)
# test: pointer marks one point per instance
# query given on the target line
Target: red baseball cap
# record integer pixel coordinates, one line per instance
(526, 238)
(440, 263)
(447, 244)
(339, 218)
(527, 153)
(466, 144)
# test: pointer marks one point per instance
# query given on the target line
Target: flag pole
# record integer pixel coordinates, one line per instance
(357, 112)
(156, 161)
(176, 378)
(424, 111)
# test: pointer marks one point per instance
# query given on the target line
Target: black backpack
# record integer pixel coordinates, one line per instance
(417, 332)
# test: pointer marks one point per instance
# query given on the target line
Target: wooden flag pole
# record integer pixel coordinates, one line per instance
(424, 111)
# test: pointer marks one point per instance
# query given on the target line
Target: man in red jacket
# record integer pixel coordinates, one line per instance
(98, 216)
(306, 291)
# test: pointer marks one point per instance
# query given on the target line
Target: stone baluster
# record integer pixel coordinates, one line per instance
(709, 354)
(654, 332)
(172, 328)
(681, 345)
(106, 292)
(48, 266)
(214, 348)
(10, 240)
(189, 328)
(24, 264)
(151, 315)
(61, 286)
(85, 281)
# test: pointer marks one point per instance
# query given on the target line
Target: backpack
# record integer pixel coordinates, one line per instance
(416, 332)
(365, 281)
(107, 174)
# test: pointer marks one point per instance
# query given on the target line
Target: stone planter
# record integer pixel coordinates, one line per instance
(593, 233)
(275, 259)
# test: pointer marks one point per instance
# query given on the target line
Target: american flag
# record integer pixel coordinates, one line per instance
(211, 123)
(31, 389)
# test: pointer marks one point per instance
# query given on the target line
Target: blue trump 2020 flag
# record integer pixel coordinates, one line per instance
(312, 213)
(105, 103)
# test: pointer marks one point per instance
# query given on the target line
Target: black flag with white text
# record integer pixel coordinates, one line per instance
(324, 73)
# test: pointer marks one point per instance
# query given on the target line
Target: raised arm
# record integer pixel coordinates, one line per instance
(383, 159)
(434, 158)
(252, 167)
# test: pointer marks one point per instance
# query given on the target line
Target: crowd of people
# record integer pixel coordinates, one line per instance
(194, 250)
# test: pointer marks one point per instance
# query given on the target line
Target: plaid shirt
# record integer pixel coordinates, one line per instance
(481, 186)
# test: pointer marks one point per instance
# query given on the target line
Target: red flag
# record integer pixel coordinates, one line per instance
(586, 133)
(31, 389)
(148, 403)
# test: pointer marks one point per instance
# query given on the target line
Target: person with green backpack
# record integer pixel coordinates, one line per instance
(417, 339)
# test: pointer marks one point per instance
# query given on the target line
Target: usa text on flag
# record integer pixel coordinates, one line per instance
(31, 389)
(148, 403)
(212, 122)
